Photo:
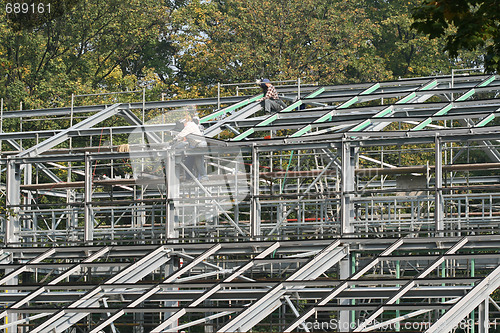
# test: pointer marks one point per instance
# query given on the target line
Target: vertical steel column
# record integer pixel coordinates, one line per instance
(347, 205)
(439, 201)
(398, 276)
(347, 216)
(13, 202)
(254, 201)
(298, 88)
(72, 217)
(345, 316)
(172, 185)
(28, 198)
(218, 95)
(484, 319)
(472, 314)
(88, 231)
(28, 173)
(139, 214)
(12, 316)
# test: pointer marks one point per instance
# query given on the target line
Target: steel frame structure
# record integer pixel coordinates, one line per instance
(361, 206)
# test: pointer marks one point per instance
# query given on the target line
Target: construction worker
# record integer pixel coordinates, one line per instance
(196, 120)
(271, 101)
(193, 135)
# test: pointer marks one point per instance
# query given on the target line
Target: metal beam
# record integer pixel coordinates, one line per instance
(24, 267)
(156, 288)
(275, 116)
(409, 285)
(13, 200)
(230, 109)
(448, 107)
(343, 285)
(439, 200)
(55, 281)
(132, 119)
(328, 116)
(40, 166)
(480, 293)
(389, 322)
(239, 270)
(62, 320)
(386, 112)
(348, 186)
(63, 135)
(248, 318)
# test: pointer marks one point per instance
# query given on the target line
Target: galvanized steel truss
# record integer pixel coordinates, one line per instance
(239, 286)
(413, 159)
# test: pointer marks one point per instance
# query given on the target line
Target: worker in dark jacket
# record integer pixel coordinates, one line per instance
(271, 101)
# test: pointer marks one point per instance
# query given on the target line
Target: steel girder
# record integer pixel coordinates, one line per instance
(130, 286)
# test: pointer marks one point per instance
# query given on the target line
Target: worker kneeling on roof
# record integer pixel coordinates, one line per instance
(271, 101)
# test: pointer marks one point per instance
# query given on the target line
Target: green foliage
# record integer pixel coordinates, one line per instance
(85, 47)
(406, 52)
(466, 24)
(33, 14)
(181, 48)
(320, 40)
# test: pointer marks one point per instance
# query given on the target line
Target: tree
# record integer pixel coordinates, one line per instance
(405, 51)
(234, 41)
(35, 13)
(87, 46)
(466, 24)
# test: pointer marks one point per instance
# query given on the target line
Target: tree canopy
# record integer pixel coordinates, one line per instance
(321, 40)
(466, 24)
(184, 47)
(90, 46)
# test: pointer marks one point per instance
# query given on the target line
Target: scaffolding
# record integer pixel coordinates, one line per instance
(357, 207)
